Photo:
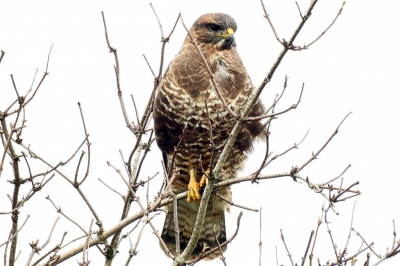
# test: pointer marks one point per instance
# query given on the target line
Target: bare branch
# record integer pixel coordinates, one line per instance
(338, 14)
(219, 247)
(260, 244)
(88, 147)
(36, 90)
(315, 239)
(54, 168)
(133, 249)
(152, 72)
(270, 23)
(86, 247)
(366, 243)
(63, 214)
(303, 260)
(314, 156)
(134, 105)
(176, 224)
(48, 58)
(394, 235)
(294, 106)
(341, 174)
(267, 154)
(2, 55)
(348, 237)
(36, 248)
(233, 204)
(301, 15)
(117, 74)
(159, 23)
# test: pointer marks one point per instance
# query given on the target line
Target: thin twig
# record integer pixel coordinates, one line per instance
(348, 237)
(260, 244)
(29, 170)
(212, 145)
(355, 255)
(303, 260)
(133, 249)
(54, 168)
(159, 23)
(295, 146)
(63, 214)
(136, 112)
(233, 204)
(338, 14)
(287, 249)
(122, 196)
(86, 247)
(16, 233)
(176, 149)
(301, 15)
(117, 75)
(48, 58)
(146, 148)
(219, 247)
(129, 232)
(314, 156)
(270, 23)
(2, 55)
(315, 240)
(36, 249)
(267, 154)
(394, 235)
(366, 243)
(176, 226)
(88, 147)
(148, 64)
(330, 235)
(294, 106)
(333, 179)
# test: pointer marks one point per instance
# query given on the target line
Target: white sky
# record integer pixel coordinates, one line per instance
(354, 67)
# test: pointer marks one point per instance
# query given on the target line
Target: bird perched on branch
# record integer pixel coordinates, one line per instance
(180, 104)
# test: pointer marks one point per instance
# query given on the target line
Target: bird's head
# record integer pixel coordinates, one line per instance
(216, 29)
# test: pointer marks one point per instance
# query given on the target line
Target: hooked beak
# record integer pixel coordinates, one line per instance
(229, 39)
(227, 33)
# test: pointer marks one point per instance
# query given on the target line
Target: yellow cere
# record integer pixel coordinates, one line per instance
(228, 32)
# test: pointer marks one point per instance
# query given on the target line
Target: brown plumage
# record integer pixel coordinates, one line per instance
(180, 102)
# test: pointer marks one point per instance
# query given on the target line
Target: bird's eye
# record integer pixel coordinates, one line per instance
(214, 27)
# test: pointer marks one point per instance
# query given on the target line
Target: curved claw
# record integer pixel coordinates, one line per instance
(193, 188)
(204, 178)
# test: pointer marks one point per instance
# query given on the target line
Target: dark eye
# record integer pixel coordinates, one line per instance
(214, 27)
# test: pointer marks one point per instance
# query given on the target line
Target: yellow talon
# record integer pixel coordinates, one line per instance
(193, 188)
(204, 178)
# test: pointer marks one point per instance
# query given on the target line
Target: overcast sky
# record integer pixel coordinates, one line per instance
(354, 68)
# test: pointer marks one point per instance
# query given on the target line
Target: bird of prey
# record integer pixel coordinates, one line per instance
(180, 104)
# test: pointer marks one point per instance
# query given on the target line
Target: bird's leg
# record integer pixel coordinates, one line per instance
(193, 188)
(204, 178)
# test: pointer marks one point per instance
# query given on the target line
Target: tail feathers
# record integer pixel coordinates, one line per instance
(187, 212)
